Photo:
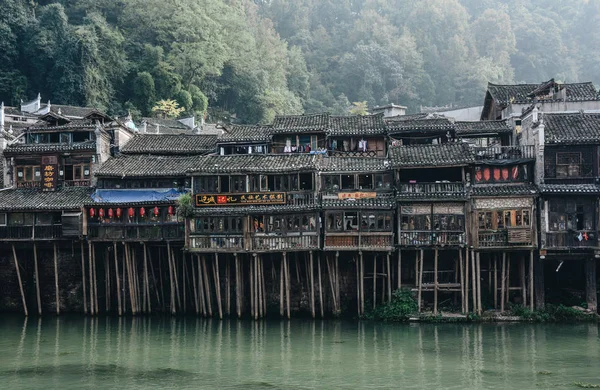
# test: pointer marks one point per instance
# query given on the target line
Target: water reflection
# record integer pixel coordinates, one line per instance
(165, 352)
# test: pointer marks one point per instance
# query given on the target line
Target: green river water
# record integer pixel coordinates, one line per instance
(141, 353)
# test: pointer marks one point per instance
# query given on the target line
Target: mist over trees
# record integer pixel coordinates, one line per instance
(251, 60)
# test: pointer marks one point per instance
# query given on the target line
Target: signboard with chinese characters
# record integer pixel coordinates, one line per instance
(49, 173)
(357, 195)
(252, 198)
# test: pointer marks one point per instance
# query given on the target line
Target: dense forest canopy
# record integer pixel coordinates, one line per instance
(250, 60)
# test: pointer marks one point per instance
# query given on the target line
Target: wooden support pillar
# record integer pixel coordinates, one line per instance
(85, 309)
(467, 280)
(320, 287)
(496, 282)
(281, 286)
(417, 268)
(206, 283)
(474, 282)
(590, 284)
(435, 282)
(312, 285)
(374, 281)
(399, 273)
(201, 295)
(16, 260)
(507, 293)
(479, 308)
(147, 296)
(357, 261)
(56, 290)
(227, 286)
(503, 282)
(238, 303)
(531, 303)
(286, 272)
(37, 280)
(462, 280)
(523, 284)
(171, 277)
(91, 274)
(389, 278)
(420, 280)
(362, 283)
(218, 285)
(117, 278)
(337, 283)
(331, 284)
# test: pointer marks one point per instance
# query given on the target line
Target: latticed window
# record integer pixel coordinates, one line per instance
(570, 164)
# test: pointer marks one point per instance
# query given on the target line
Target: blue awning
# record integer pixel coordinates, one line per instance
(132, 196)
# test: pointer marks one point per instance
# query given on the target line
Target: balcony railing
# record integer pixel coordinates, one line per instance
(368, 153)
(77, 183)
(64, 183)
(301, 198)
(110, 232)
(572, 239)
(431, 238)
(504, 152)
(444, 277)
(380, 241)
(431, 188)
(31, 232)
(29, 184)
(283, 243)
(506, 237)
(217, 243)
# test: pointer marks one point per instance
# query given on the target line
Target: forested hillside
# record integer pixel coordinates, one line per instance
(256, 59)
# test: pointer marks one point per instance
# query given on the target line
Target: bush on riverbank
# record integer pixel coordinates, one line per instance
(553, 313)
(402, 306)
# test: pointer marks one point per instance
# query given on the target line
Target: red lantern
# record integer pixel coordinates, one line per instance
(118, 212)
(170, 210)
(504, 173)
(155, 211)
(142, 212)
(496, 174)
(131, 212)
(101, 213)
(515, 172)
(92, 213)
(110, 213)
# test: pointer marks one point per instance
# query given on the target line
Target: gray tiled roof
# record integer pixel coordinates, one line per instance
(431, 196)
(72, 111)
(482, 127)
(504, 190)
(143, 165)
(49, 148)
(448, 154)
(245, 133)
(301, 123)
(428, 124)
(360, 125)
(576, 128)
(521, 93)
(165, 126)
(352, 164)
(67, 198)
(181, 144)
(255, 163)
(569, 188)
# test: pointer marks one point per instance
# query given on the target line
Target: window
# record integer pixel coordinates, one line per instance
(571, 164)
(238, 183)
(365, 182)
(568, 164)
(331, 182)
(206, 184)
(382, 181)
(29, 174)
(503, 174)
(20, 219)
(2, 219)
(503, 219)
(375, 221)
(570, 214)
(219, 225)
(347, 182)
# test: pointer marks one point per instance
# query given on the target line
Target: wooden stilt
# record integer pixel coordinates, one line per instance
(171, 283)
(218, 286)
(37, 280)
(286, 272)
(184, 282)
(176, 278)
(462, 280)
(296, 266)
(227, 287)
(312, 284)
(489, 272)
(337, 282)
(129, 277)
(281, 282)
(107, 281)
(147, 305)
(96, 306)
(238, 301)
(362, 283)
(531, 303)
(320, 288)
(503, 282)
(56, 290)
(85, 307)
(160, 279)
(117, 279)
(263, 286)
(253, 312)
(399, 273)
(389, 278)
(496, 282)
(91, 277)
(357, 261)
(374, 281)
(479, 307)
(474, 282)
(19, 279)
(467, 280)
(195, 284)
(331, 285)
(420, 273)
(417, 254)
(507, 293)
(435, 282)
(207, 293)
(203, 309)
(523, 285)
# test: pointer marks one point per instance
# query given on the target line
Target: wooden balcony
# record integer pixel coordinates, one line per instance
(571, 240)
(77, 183)
(383, 241)
(368, 153)
(42, 232)
(217, 243)
(483, 153)
(132, 232)
(432, 238)
(431, 188)
(268, 243)
(301, 198)
(505, 238)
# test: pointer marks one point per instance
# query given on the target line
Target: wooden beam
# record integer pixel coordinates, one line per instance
(320, 287)
(496, 282)
(312, 284)
(218, 285)
(435, 282)
(117, 277)
(85, 309)
(474, 282)
(531, 303)
(20, 282)
(462, 280)
(57, 291)
(37, 280)
(467, 280)
(399, 274)
(389, 278)
(523, 284)
(90, 259)
(503, 282)
(590, 284)
(420, 274)
(479, 307)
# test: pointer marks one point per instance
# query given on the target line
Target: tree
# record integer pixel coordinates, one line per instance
(359, 108)
(167, 109)
(144, 92)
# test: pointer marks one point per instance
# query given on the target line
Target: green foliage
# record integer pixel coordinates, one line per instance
(199, 100)
(401, 307)
(185, 206)
(144, 92)
(184, 99)
(167, 109)
(552, 313)
(359, 108)
(586, 385)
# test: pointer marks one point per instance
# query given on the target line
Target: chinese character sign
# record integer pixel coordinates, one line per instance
(49, 177)
(258, 198)
(357, 195)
